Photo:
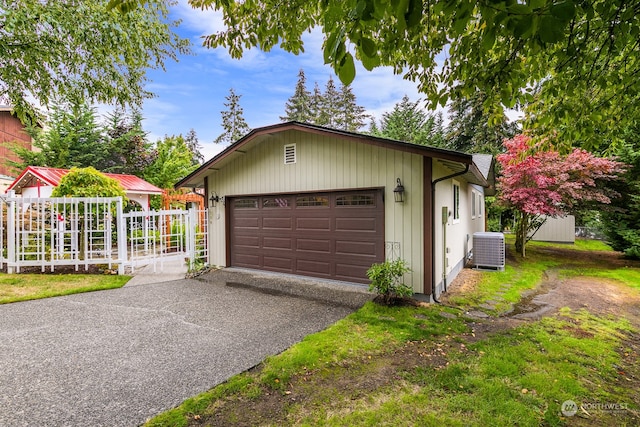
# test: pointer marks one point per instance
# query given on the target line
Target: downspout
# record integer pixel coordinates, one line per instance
(433, 227)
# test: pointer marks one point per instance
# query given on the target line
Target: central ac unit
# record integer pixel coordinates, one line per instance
(488, 250)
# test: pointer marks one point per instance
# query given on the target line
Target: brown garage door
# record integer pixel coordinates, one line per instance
(330, 235)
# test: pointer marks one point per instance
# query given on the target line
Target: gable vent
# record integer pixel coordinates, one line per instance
(289, 154)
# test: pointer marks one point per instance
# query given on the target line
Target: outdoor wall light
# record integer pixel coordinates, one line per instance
(215, 199)
(398, 192)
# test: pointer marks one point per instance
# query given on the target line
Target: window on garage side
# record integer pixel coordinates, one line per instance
(474, 197)
(456, 201)
(245, 203)
(356, 200)
(306, 201)
(276, 202)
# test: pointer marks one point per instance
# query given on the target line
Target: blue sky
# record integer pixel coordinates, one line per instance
(191, 93)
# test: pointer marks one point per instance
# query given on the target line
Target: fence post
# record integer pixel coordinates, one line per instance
(11, 233)
(121, 232)
(3, 203)
(191, 239)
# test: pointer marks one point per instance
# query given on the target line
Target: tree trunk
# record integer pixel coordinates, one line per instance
(522, 225)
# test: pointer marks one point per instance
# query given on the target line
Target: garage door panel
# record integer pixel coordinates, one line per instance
(356, 224)
(277, 223)
(323, 224)
(313, 268)
(313, 245)
(246, 222)
(284, 264)
(356, 248)
(247, 241)
(277, 243)
(330, 235)
(246, 260)
(351, 272)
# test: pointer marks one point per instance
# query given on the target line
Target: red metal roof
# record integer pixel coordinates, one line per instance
(52, 176)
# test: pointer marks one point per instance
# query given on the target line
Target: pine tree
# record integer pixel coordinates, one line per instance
(72, 138)
(330, 106)
(469, 130)
(409, 123)
(298, 107)
(129, 150)
(351, 116)
(316, 105)
(194, 146)
(373, 128)
(233, 123)
(84, 137)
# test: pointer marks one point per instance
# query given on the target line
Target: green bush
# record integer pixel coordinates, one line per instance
(386, 280)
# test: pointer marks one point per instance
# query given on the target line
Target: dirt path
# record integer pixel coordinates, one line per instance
(599, 296)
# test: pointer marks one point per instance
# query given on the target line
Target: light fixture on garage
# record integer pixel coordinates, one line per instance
(398, 192)
(215, 199)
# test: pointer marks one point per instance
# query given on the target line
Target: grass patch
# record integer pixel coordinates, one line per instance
(509, 283)
(579, 245)
(518, 377)
(426, 366)
(521, 377)
(24, 287)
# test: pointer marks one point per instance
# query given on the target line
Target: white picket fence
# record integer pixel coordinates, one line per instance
(80, 232)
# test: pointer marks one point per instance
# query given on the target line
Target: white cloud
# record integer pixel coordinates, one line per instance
(199, 21)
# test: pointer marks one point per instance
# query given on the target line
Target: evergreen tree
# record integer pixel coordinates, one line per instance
(409, 123)
(233, 123)
(316, 105)
(298, 107)
(72, 138)
(332, 108)
(129, 150)
(330, 105)
(438, 137)
(470, 130)
(621, 221)
(373, 128)
(351, 116)
(194, 146)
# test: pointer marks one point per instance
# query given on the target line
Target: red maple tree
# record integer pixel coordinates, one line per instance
(536, 182)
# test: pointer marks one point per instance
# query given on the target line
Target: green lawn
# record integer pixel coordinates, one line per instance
(434, 366)
(23, 287)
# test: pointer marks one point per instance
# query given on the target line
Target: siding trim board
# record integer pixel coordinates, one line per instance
(427, 225)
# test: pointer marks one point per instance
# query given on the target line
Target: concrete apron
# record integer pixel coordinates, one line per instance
(351, 295)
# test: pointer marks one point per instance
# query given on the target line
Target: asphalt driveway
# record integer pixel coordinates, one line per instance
(119, 357)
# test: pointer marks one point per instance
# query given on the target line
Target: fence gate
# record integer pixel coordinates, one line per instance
(155, 237)
(56, 231)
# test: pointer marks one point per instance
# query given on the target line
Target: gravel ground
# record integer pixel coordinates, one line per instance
(118, 357)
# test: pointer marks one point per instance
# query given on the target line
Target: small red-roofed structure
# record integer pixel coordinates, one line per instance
(38, 181)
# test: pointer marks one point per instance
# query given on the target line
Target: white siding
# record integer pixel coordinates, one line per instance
(560, 230)
(459, 242)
